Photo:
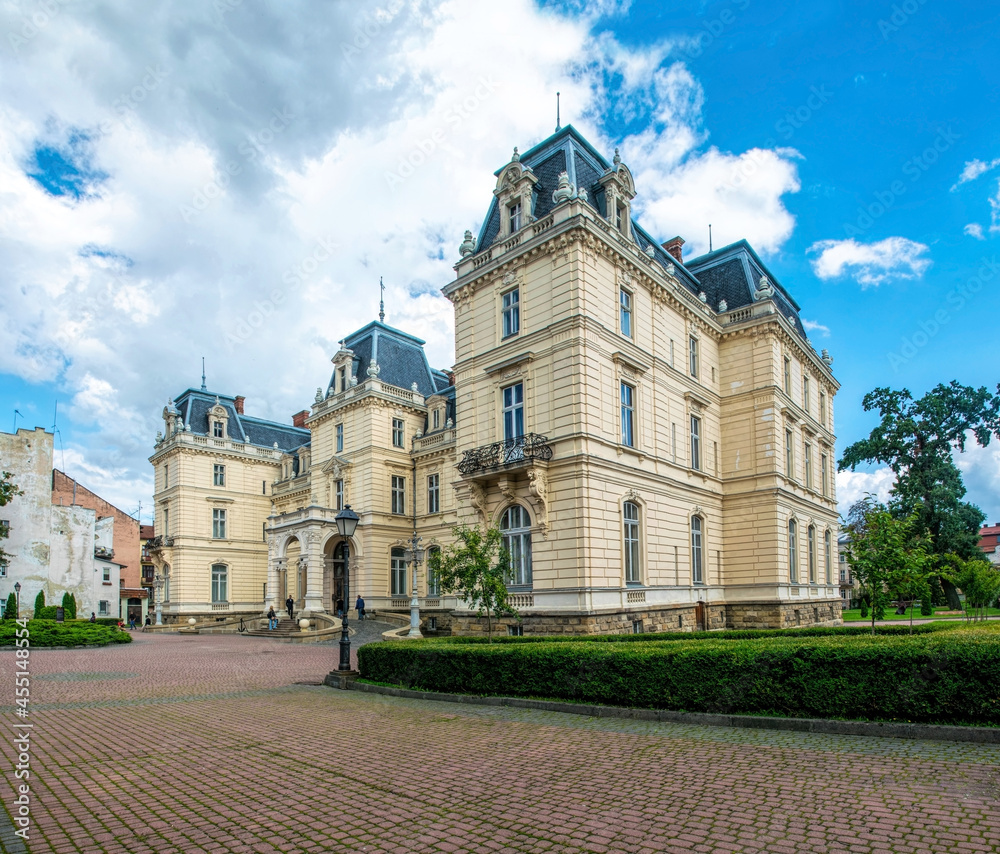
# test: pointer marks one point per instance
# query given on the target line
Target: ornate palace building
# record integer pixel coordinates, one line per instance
(652, 435)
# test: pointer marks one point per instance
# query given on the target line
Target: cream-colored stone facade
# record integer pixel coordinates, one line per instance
(659, 458)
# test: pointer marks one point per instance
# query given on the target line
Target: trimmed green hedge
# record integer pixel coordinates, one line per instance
(44, 633)
(939, 677)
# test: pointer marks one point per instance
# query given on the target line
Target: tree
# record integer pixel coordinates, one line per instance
(39, 604)
(916, 438)
(979, 580)
(887, 555)
(10, 612)
(476, 567)
(69, 605)
(8, 490)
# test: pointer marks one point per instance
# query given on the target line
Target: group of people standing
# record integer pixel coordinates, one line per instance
(272, 617)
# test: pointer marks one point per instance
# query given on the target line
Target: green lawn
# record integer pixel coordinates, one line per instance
(890, 614)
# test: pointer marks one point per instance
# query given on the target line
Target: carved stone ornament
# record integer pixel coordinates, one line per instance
(507, 490)
(373, 369)
(671, 269)
(632, 495)
(478, 497)
(515, 371)
(625, 278)
(538, 488)
(565, 191)
(723, 306)
(703, 296)
(509, 278)
(765, 290)
(467, 246)
(827, 358)
(313, 536)
(650, 252)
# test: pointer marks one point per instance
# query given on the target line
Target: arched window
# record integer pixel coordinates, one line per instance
(337, 593)
(828, 557)
(793, 559)
(433, 582)
(516, 527)
(397, 572)
(630, 513)
(220, 582)
(697, 570)
(812, 554)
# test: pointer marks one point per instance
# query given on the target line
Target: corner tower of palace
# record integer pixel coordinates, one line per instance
(653, 436)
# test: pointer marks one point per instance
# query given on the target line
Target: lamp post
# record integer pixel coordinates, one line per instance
(17, 591)
(158, 586)
(414, 554)
(347, 522)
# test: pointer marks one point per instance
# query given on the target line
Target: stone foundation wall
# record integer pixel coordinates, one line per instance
(784, 615)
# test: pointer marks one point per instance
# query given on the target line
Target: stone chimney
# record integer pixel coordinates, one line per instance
(673, 246)
(239, 404)
(299, 418)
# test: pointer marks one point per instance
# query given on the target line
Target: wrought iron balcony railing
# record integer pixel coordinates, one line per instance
(510, 452)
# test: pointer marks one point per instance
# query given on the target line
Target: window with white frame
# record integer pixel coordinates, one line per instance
(3, 569)
(104, 608)
(342, 376)
(697, 564)
(823, 463)
(511, 312)
(693, 356)
(397, 432)
(217, 429)
(807, 462)
(166, 521)
(805, 392)
(789, 455)
(218, 475)
(788, 376)
(628, 414)
(436, 419)
(106, 575)
(397, 572)
(433, 493)
(339, 433)
(828, 556)
(630, 515)
(513, 411)
(220, 582)
(822, 408)
(433, 580)
(514, 216)
(338, 494)
(811, 544)
(515, 525)
(218, 524)
(398, 495)
(625, 312)
(696, 442)
(793, 556)
(166, 475)
(166, 583)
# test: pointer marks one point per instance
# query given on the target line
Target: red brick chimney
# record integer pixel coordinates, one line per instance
(239, 404)
(299, 418)
(673, 246)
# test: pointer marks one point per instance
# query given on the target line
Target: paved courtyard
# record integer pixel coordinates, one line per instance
(222, 744)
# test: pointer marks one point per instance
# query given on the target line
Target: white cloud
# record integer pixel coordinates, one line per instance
(852, 486)
(995, 211)
(814, 326)
(980, 469)
(974, 229)
(870, 263)
(973, 169)
(234, 140)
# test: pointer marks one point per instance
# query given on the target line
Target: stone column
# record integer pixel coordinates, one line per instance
(314, 572)
(275, 566)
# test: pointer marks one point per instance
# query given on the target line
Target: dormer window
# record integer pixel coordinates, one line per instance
(217, 429)
(342, 377)
(436, 417)
(620, 217)
(514, 213)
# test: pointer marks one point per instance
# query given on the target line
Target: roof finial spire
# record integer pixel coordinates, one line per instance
(381, 302)
(558, 123)
(710, 237)
(203, 386)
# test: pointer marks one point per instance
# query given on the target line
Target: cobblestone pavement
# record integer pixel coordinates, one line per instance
(212, 744)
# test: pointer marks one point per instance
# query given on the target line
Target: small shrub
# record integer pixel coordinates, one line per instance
(864, 609)
(39, 603)
(42, 633)
(926, 610)
(10, 612)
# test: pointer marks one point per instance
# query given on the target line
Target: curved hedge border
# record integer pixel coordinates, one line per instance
(951, 677)
(47, 633)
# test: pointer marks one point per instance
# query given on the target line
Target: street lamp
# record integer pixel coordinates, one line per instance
(17, 590)
(414, 554)
(347, 522)
(158, 586)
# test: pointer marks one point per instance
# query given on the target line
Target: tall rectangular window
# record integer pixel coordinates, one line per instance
(166, 521)
(217, 429)
(697, 572)
(166, 475)
(342, 376)
(338, 494)
(398, 495)
(103, 608)
(822, 408)
(3, 569)
(671, 352)
(673, 442)
(789, 456)
(793, 556)
(340, 438)
(511, 312)
(397, 432)
(220, 583)
(828, 556)
(628, 415)
(106, 575)
(805, 393)
(695, 442)
(625, 312)
(397, 572)
(811, 537)
(514, 213)
(788, 376)
(436, 419)
(434, 493)
(433, 580)
(218, 524)
(807, 460)
(218, 475)
(693, 356)
(822, 474)
(513, 411)
(630, 512)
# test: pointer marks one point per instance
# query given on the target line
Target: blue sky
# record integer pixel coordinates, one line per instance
(169, 173)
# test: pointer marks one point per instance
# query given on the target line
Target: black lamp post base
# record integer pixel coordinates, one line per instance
(341, 678)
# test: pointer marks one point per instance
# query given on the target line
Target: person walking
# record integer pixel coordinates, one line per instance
(290, 605)
(131, 622)
(360, 605)
(149, 622)
(272, 619)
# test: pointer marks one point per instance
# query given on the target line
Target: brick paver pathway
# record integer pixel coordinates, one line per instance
(209, 744)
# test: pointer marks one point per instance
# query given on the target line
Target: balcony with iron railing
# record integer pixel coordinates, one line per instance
(507, 454)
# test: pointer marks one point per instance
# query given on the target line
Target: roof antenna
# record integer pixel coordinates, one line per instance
(710, 237)
(558, 123)
(203, 387)
(381, 302)
(16, 413)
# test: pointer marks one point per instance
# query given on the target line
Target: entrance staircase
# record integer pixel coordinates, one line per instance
(285, 629)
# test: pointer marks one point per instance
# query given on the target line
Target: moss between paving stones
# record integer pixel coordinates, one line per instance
(48, 633)
(931, 677)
